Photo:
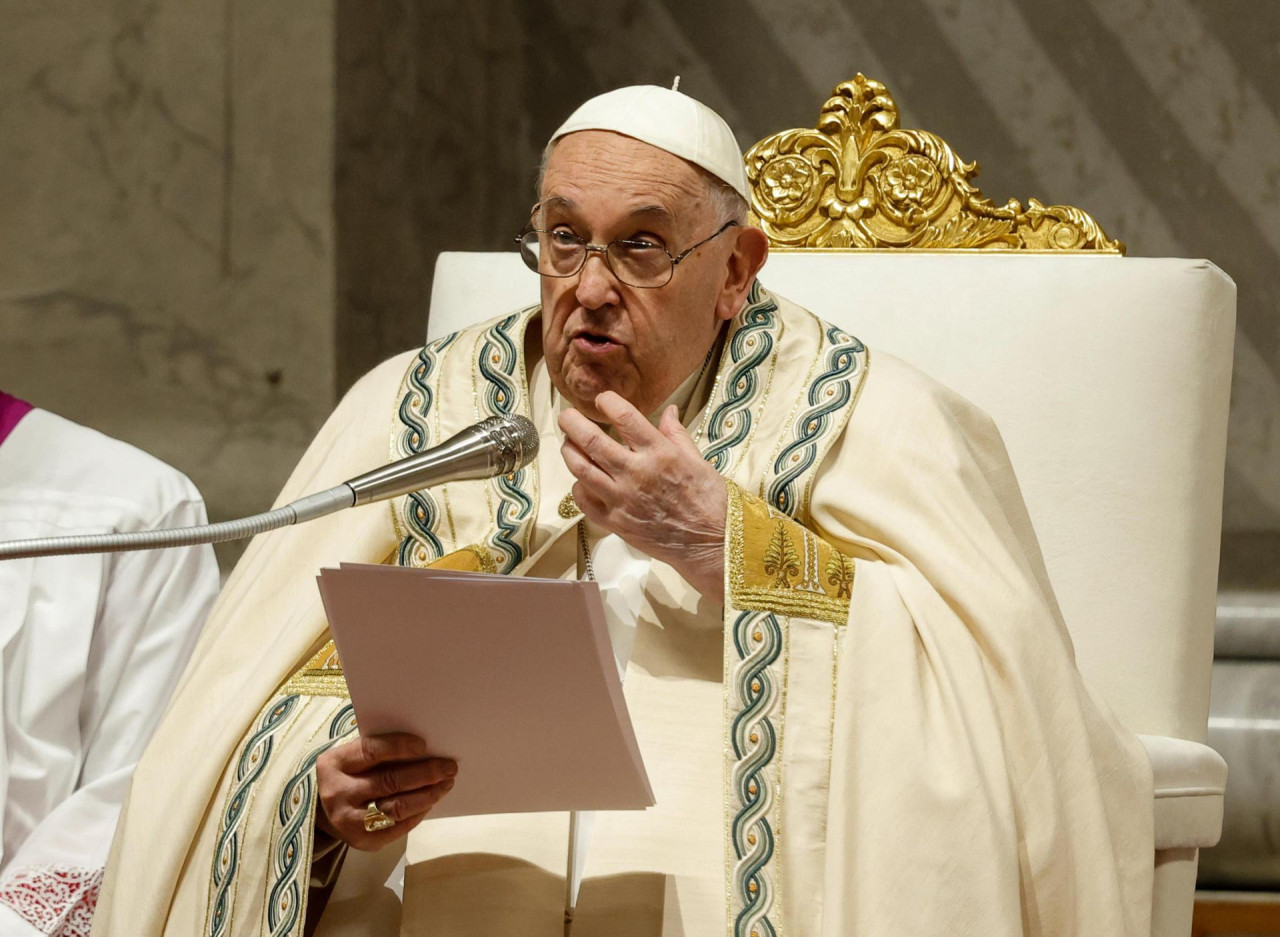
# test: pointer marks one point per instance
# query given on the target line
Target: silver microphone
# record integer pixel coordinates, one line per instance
(498, 445)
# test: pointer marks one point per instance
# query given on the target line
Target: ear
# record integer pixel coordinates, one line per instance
(741, 266)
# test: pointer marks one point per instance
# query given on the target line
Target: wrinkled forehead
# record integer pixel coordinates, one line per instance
(601, 173)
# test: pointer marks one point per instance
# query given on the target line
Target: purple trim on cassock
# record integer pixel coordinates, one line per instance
(12, 410)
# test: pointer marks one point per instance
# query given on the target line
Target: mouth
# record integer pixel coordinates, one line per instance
(594, 342)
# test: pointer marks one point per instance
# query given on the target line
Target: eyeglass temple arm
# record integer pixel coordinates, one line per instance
(719, 231)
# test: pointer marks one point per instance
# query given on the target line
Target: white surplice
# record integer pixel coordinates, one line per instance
(92, 648)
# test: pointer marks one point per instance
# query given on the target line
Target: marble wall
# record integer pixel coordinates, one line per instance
(166, 228)
(436, 123)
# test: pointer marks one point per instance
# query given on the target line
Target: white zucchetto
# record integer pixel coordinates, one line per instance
(669, 120)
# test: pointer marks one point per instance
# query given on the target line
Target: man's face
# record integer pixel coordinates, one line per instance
(598, 333)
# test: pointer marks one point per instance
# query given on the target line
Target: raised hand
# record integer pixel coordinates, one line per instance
(653, 489)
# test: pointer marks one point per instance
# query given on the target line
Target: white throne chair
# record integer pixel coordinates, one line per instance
(1108, 377)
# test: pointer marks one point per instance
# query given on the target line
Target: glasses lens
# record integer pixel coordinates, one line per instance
(561, 253)
(640, 263)
(552, 253)
(529, 250)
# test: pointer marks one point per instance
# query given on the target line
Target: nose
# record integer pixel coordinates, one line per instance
(597, 286)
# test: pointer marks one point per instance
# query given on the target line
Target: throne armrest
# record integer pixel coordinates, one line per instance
(1190, 780)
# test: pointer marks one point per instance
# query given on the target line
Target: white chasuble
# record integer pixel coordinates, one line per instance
(882, 730)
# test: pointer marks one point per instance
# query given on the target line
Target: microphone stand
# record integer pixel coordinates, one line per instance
(495, 446)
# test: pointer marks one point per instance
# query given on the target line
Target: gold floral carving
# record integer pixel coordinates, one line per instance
(860, 181)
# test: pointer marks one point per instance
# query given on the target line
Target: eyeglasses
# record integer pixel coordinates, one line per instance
(639, 263)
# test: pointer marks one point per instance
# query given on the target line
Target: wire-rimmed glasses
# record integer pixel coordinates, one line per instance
(636, 262)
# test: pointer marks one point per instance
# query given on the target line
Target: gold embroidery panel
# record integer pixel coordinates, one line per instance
(777, 565)
(320, 676)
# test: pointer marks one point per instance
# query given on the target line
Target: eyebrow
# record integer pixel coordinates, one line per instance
(650, 210)
(559, 201)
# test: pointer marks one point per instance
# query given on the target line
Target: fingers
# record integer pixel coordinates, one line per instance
(403, 788)
(594, 443)
(410, 804)
(671, 427)
(633, 427)
(366, 752)
(583, 469)
(391, 779)
(592, 505)
(386, 770)
(351, 830)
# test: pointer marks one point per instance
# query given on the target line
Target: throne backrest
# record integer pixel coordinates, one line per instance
(1108, 376)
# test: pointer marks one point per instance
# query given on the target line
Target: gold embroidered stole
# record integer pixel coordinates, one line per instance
(786, 594)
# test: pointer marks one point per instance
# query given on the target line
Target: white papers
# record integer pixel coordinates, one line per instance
(513, 677)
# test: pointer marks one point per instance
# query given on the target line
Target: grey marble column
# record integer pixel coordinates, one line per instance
(166, 242)
(1244, 726)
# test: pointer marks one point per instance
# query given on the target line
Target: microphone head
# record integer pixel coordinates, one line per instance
(496, 446)
(515, 440)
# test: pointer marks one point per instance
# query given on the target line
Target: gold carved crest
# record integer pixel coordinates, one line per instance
(860, 181)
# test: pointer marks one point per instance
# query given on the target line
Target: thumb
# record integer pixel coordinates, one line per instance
(671, 427)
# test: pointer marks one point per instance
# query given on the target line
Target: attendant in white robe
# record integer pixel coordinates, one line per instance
(92, 648)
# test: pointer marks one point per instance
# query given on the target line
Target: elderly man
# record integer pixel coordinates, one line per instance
(848, 676)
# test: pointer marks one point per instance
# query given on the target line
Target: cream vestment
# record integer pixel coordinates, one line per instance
(882, 732)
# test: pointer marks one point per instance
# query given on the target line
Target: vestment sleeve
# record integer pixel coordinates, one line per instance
(970, 756)
(150, 610)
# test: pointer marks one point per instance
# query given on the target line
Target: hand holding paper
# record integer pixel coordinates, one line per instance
(390, 771)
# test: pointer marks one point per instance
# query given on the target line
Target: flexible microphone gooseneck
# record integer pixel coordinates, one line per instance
(495, 446)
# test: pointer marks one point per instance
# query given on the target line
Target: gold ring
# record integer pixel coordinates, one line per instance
(375, 819)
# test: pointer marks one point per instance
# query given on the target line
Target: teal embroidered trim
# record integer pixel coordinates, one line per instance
(249, 767)
(749, 347)
(420, 513)
(755, 640)
(498, 363)
(830, 393)
(286, 904)
(755, 697)
(515, 506)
